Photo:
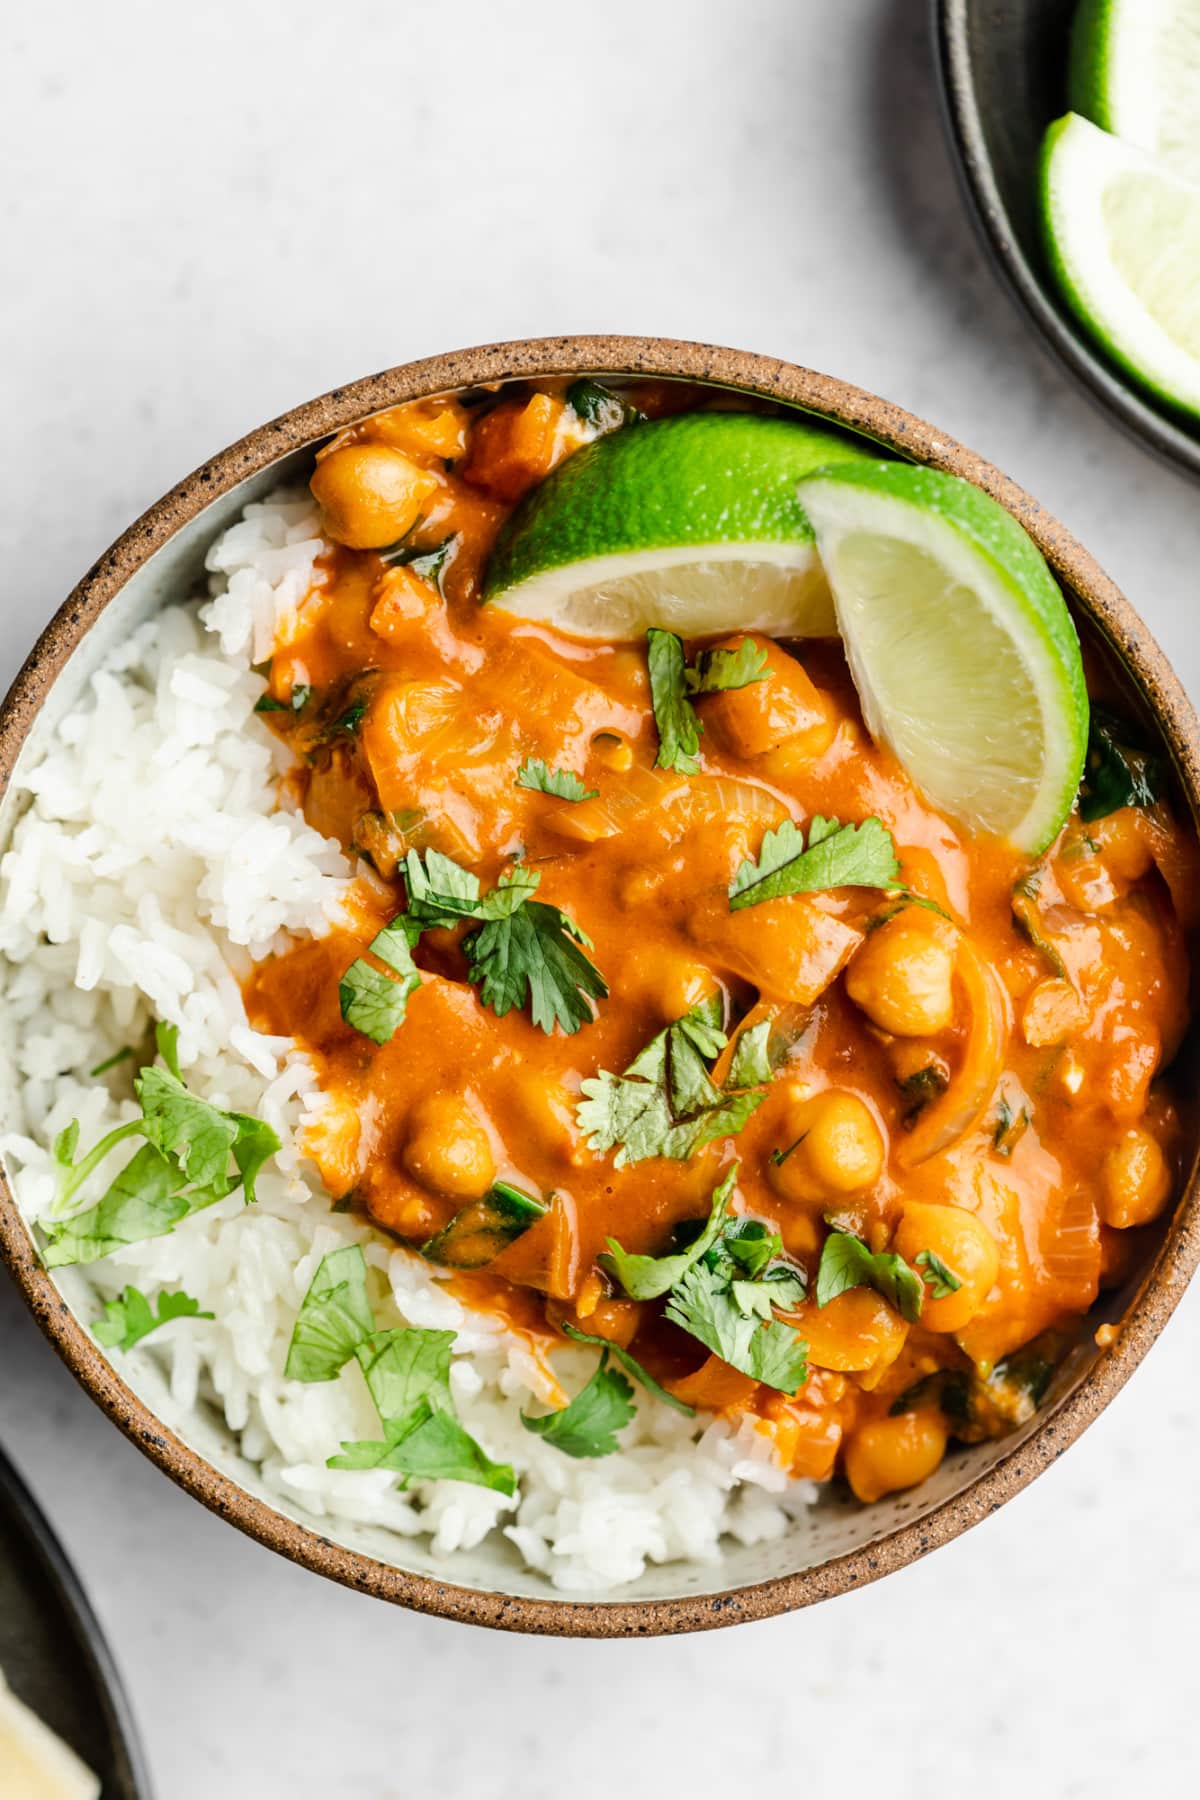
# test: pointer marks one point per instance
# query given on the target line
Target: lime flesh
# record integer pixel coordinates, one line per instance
(965, 658)
(690, 524)
(1135, 71)
(1123, 236)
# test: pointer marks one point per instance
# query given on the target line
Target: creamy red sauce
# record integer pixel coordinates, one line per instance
(1060, 1020)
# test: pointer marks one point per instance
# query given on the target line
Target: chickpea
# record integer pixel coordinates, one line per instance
(1052, 1011)
(857, 1331)
(369, 494)
(889, 1454)
(968, 1249)
(839, 1148)
(903, 977)
(783, 717)
(434, 427)
(1135, 1181)
(448, 1149)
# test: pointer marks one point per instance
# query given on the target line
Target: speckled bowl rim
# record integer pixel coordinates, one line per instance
(1099, 599)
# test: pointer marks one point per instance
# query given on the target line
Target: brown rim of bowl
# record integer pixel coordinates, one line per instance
(898, 430)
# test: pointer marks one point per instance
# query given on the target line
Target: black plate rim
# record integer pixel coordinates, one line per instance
(961, 119)
(93, 1645)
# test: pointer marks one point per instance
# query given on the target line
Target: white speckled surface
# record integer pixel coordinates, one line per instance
(213, 212)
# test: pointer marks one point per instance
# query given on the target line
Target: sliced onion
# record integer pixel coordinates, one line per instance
(678, 802)
(955, 1112)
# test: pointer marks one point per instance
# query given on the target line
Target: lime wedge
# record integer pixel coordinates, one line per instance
(1123, 236)
(690, 523)
(1135, 71)
(960, 643)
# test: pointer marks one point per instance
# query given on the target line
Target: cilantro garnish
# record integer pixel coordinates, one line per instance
(938, 1278)
(335, 1317)
(1010, 1126)
(564, 784)
(523, 952)
(267, 703)
(919, 1088)
(1119, 770)
(430, 565)
(130, 1318)
(724, 1289)
(371, 1001)
(666, 1102)
(407, 1372)
(631, 1366)
(600, 408)
(589, 1424)
(111, 1062)
(483, 1228)
(718, 1315)
(183, 1167)
(846, 1263)
(672, 683)
(647, 1277)
(836, 855)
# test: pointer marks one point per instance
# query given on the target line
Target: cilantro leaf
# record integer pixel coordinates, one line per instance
(143, 1201)
(130, 1318)
(335, 1317)
(751, 1062)
(441, 1449)
(631, 1366)
(588, 1425)
(646, 1277)
(846, 1263)
(177, 1122)
(405, 1366)
(371, 1001)
(715, 670)
(706, 1307)
(440, 891)
(267, 703)
(1119, 769)
(430, 565)
(111, 1062)
(666, 1103)
(564, 784)
(939, 1279)
(597, 406)
(836, 856)
(674, 716)
(782, 1288)
(1010, 1126)
(533, 956)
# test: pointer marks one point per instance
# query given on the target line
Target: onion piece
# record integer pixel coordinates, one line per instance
(955, 1112)
(677, 803)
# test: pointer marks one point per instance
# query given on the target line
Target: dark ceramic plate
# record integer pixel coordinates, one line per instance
(51, 1649)
(1003, 79)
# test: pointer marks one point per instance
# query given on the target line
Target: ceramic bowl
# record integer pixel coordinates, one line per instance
(839, 1544)
(1003, 72)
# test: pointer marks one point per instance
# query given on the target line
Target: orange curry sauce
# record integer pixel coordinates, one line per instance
(984, 1088)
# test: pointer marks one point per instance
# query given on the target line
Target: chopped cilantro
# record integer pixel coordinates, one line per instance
(1119, 770)
(301, 694)
(631, 1366)
(430, 564)
(111, 1062)
(183, 1166)
(672, 683)
(846, 1263)
(709, 1307)
(589, 1424)
(836, 856)
(1028, 919)
(648, 1277)
(600, 408)
(563, 784)
(533, 957)
(940, 1280)
(267, 703)
(1010, 1126)
(335, 1317)
(130, 1318)
(371, 1001)
(666, 1102)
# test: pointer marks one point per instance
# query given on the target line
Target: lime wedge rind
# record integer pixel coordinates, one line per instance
(965, 658)
(1087, 178)
(1134, 70)
(689, 523)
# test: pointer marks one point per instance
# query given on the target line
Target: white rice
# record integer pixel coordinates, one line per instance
(153, 862)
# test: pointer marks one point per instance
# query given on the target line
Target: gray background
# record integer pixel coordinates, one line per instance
(213, 212)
